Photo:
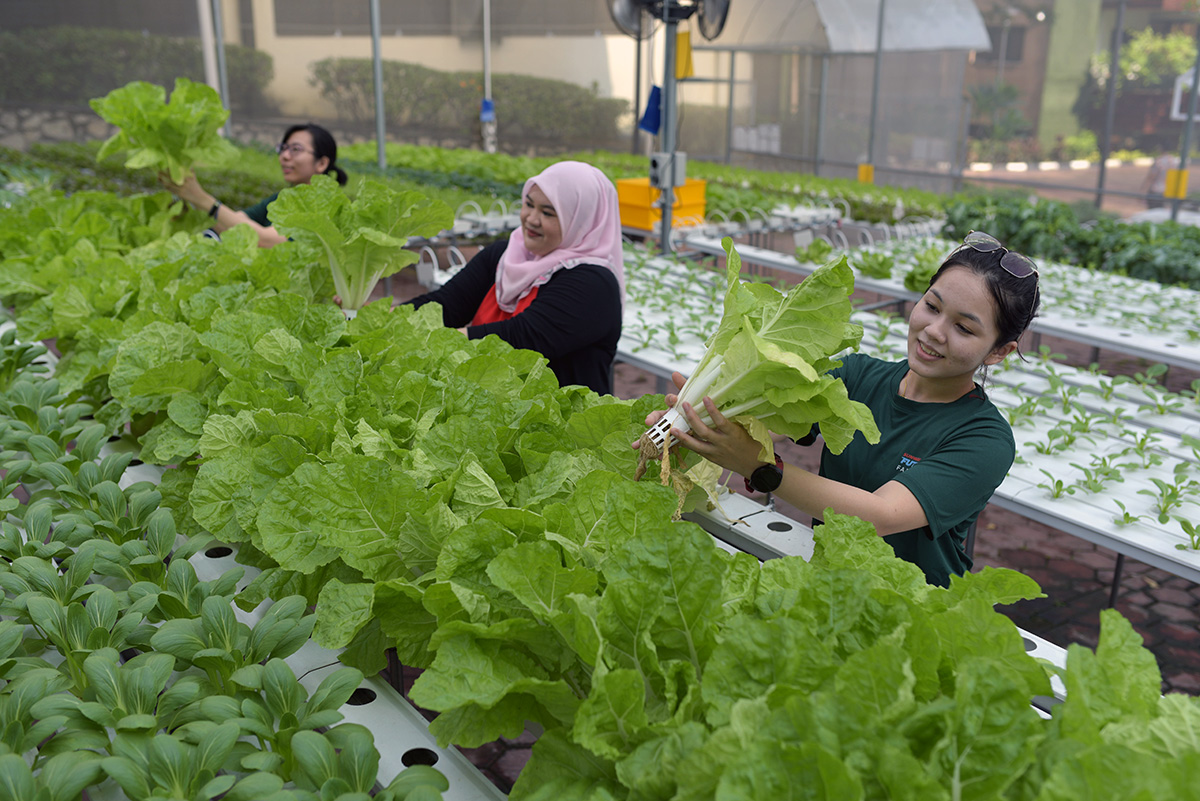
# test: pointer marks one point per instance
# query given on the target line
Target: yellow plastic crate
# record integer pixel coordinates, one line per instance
(636, 195)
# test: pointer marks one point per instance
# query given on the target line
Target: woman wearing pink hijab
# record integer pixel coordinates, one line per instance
(557, 286)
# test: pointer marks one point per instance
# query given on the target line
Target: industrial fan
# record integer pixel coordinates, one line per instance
(667, 168)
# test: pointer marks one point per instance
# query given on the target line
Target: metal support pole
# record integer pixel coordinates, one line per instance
(962, 148)
(875, 85)
(207, 41)
(1110, 108)
(637, 85)
(222, 73)
(1116, 584)
(1184, 149)
(1003, 54)
(377, 58)
(487, 114)
(669, 117)
(729, 116)
(821, 115)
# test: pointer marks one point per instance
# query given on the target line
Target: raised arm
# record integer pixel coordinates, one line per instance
(223, 217)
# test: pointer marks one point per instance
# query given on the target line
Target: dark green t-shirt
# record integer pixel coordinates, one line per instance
(258, 212)
(951, 456)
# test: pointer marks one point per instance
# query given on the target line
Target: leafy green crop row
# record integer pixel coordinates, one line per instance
(73, 168)
(1166, 252)
(730, 190)
(446, 498)
(117, 664)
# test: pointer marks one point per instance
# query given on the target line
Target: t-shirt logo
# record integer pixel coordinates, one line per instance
(907, 461)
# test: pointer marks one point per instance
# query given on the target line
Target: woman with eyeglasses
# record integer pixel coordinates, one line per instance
(943, 448)
(306, 150)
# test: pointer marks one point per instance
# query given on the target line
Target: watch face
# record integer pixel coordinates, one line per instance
(766, 478)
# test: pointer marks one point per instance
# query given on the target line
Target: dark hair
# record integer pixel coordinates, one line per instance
(324, 146)
(1016, 299)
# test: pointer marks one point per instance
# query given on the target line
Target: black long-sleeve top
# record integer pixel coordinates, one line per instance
(575, 320)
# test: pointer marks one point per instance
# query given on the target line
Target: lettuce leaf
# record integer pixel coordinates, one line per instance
(364, 239)
(769, 358)
(166, 136)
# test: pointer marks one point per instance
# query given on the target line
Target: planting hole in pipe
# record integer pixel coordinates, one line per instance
(361, 697)
(419, 756)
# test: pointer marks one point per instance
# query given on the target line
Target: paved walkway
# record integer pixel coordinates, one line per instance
(1072, 186)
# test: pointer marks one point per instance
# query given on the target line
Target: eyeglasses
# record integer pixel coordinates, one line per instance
(1014, 263)
(295, 148)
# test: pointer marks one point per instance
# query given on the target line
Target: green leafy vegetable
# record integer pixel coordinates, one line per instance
(769, 358)
(166, 136)
(874, 263)
(817, 252)
(364, 239)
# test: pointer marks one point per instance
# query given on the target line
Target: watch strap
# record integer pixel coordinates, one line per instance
(778, 464)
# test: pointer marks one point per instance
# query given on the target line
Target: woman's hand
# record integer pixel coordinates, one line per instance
(725, 442)
(190, 190)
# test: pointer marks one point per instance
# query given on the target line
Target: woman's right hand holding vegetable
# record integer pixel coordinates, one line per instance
(190, 190)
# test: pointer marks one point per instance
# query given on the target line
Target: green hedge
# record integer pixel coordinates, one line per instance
(1166, 252)
(446, 104)
(72, 65)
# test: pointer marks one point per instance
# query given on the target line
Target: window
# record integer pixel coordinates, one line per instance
(1014, 47)
(164, 17)
(442, 17)
(341, 18)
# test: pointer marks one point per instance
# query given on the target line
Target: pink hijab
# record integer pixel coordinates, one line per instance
(586, 204)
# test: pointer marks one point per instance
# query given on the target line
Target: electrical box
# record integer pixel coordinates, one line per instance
(668, 169)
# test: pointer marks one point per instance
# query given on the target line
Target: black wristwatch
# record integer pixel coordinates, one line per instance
(767, 477)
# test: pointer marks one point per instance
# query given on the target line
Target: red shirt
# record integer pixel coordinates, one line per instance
(490, 312)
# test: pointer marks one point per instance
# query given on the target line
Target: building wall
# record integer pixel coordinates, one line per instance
(605, 61)
(1029, 72)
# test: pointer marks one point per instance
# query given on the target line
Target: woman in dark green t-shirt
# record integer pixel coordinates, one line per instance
(306, 150)
(944, 448)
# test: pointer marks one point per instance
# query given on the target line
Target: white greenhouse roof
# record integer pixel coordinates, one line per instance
(849, 26)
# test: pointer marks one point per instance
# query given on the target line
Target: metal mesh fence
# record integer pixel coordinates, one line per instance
(562, 79)
(812, 112)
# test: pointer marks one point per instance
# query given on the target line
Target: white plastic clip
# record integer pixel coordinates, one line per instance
(660, 432)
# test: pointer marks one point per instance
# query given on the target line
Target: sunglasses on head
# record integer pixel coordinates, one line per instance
(1014, 263)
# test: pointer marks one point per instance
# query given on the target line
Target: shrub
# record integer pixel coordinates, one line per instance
(446, 104)
(72, 65)
(1082, 145)
(1148, 60)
